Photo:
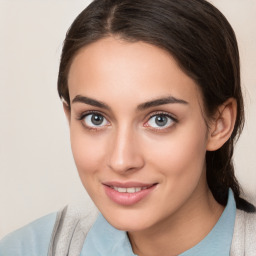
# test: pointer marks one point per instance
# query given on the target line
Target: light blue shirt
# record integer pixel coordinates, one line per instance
(104, 240)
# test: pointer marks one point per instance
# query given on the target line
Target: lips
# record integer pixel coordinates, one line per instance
(128, 194)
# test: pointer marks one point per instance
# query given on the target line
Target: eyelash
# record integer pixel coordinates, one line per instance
(164, 114)
(160, 113)
(84, 115)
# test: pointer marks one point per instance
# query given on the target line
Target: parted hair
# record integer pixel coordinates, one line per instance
(204, 45)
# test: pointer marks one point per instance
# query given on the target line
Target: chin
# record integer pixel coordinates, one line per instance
(127, 226)
(128, 220)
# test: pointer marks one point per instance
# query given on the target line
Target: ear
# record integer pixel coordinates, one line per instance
(66, 109)
(222, 126)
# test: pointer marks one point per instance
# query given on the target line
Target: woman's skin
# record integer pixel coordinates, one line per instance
(138, 121)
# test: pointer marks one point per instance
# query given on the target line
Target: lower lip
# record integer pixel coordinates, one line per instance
(127, 199)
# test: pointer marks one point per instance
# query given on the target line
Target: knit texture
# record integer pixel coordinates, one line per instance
(72, 227)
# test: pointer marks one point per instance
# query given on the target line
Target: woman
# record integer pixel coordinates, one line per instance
(151, 90)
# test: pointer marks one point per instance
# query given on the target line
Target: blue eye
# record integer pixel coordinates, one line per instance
(160, 121)
(95, 120)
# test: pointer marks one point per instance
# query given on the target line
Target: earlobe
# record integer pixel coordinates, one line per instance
(222, 126)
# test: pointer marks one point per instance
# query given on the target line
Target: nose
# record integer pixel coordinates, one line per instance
(125, 152)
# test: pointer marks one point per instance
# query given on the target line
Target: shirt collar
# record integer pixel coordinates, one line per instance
(104, 239)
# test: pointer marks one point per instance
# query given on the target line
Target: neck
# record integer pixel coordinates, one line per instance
(181, 231)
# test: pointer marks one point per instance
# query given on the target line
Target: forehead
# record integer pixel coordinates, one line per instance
(138, 71)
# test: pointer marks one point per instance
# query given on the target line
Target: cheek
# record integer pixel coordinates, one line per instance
(180, 160)
(88, 152)
(182, 154)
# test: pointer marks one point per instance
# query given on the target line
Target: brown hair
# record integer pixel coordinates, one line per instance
(202, 41)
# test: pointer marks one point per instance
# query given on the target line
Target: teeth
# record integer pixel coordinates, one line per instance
(131, 190)
(121, 190)
(128, 190)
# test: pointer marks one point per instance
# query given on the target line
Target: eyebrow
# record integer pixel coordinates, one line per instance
(160, 101)
(140, 107)
(90, 101)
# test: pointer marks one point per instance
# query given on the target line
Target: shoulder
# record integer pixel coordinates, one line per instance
(250, 231)
(33, 239)
(71, 228)
(244, 238)
(54, 234)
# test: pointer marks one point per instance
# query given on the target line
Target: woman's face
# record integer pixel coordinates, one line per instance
(138, 134)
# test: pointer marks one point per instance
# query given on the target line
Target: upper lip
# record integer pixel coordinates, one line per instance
(130, 184)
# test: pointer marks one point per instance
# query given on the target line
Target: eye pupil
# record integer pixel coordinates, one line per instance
(161, 120)
(97, 119)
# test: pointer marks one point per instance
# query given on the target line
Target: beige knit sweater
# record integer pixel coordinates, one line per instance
(73, 224)
(244, 238)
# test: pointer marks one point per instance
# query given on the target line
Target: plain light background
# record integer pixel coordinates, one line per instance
(37, 173)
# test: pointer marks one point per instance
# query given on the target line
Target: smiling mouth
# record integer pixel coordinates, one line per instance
(128, 194)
